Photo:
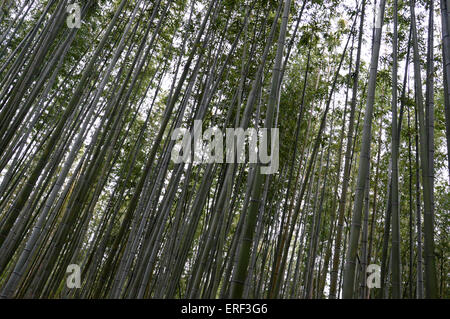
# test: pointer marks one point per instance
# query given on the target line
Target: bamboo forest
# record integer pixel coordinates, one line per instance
(116, 183)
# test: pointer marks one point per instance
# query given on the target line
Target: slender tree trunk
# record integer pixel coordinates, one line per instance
(349, 272)
(430, 266)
